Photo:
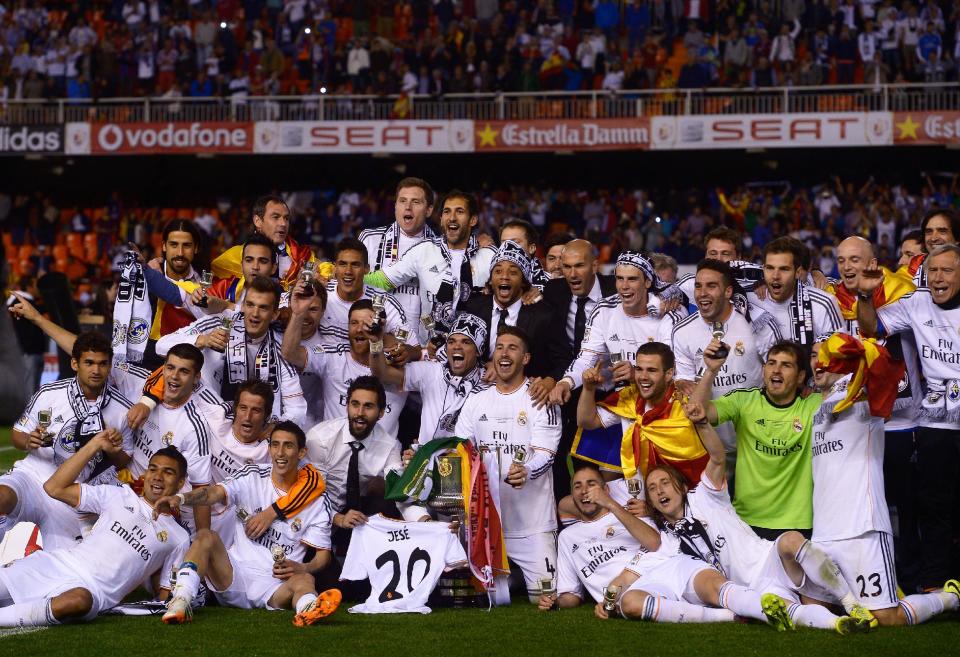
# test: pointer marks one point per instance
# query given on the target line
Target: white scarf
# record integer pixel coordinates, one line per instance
(266, 366)
(88, 422)
(131, 311)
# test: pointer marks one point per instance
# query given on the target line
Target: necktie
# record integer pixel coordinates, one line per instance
(579, 323)
(353, 476)
(500, 323)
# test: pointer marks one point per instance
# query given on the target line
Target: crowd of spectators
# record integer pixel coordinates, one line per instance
(239, 48)
(43, 234)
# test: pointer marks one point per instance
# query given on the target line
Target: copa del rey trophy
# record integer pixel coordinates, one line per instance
(447, 497)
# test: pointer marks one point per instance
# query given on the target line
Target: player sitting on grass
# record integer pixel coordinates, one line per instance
(130, 543)
(266, 573)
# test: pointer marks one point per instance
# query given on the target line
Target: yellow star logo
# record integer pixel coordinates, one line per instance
(908, 128)
(488, 136)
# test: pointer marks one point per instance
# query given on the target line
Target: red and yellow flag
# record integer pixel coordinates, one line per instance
(895, 285)
(658, 435)
(874, 371)
(486, 546)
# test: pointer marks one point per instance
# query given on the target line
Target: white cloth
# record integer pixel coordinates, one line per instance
(336, 317)
(440, 402)
(826, 312)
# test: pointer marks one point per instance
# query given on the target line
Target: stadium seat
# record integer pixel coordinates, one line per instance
(60, 252)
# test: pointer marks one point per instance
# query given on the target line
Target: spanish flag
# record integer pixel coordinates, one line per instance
(227, 264)
(895, 285)
(876, 375)
(658, 435)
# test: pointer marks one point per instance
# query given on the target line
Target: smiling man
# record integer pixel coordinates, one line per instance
(774, 430)
(939, 227)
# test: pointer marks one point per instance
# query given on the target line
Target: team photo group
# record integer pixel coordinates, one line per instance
(440, 414)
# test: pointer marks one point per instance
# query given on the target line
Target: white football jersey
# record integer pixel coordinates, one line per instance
(55, 397)
(441, 401)
(500, 425)
(126, 545)
(252, 490)
(403, 561)
(848, 491)
(312, 386)
(826, 312)
(334, 327)
(610, 330)
(749, 344)
(381, 251)
(337, 368)
(591, 553)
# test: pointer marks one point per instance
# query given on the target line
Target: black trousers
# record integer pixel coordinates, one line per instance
(901, 479)
(938, 455)
(772, 534)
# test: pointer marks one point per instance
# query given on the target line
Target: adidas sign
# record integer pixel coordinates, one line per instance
(434, 270)
(483, 418)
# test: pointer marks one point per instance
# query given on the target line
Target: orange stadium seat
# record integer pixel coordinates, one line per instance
(74, 240)
(90, 239)
(25, 251)
(60, 252)
(8, 242)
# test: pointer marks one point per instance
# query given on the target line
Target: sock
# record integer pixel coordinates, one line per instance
(305, 601)
(662, 610)
(820, 568)
(188, 581)
(922, 607)
(812, 616)
(741, 601)
(35, 613)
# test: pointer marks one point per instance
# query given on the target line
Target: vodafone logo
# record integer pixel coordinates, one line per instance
(173, 138)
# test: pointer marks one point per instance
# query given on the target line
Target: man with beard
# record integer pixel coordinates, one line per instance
(337, 367)
(722, 244)
(347, 287)
(271, 218)
(518, 441)
(355, 453)
(800, 310)
(443, 384)
(608, 534)
(258, 257)
(553, 255)
(510, 278)
(939, 227)
(447, 269)
(78, 408)
(248, 349)
(385, 245)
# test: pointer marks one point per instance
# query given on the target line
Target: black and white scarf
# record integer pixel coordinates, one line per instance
(74, 434)
(450, 294)
(131, 311)
(390, 244)
(694, 541)
(266, 365)
(801, 314)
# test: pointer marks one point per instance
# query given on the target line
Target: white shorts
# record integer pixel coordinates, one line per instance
(866, 563)
(252, 587)
(671, 579)
(536, 556)
(60, 526)
(773, 577)
(42, 576)
(225, 524)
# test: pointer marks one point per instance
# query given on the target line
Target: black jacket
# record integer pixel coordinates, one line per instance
(557, 293)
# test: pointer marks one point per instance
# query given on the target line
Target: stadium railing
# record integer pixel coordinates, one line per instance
(490, 107)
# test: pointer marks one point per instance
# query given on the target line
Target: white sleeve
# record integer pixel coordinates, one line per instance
(396, 319)
(187, 334)
(128, 378)
(545, 434)
(608, 418)
(28, 419)
(466, 424)
(292, 402)
(317, 360)
(665, 329)
(832, 319)
(236, 486)
(896, 316)
(407, 267)
(567, 580)
(684, 363)
(593, 348)
(317, 534)
(416, 374)
(354, 565)
(94, 499)
(766, 333)
(197, 453)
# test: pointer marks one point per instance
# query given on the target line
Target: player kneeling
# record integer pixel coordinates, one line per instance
(267, 573)
(123, 549)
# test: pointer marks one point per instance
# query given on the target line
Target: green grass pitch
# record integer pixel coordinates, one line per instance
(508, 631)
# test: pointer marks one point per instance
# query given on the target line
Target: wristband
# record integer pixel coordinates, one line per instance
(182, 498)
(148, 401)
(376, 347)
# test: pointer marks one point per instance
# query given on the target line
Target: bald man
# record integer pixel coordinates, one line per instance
(573, 298)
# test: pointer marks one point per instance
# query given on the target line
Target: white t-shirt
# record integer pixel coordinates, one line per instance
(749, 344)
(334, 327)
(126, 545)
(500, 425)
(377, 240)
(252, 490)
(403, 561)
(591, 553)
(611, 330)
(312, 385)
(826, 312)
(848, 493)
(441, 401)
(54, 396)
(337, 368)
(227, 454)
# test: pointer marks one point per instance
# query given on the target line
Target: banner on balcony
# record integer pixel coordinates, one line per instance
(352, 137)
(814, 130)
(926, 128)
(31, 139)
(563, 135)
(158, 138)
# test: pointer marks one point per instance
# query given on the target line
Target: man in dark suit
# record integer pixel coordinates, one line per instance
(510, 277)
(573, 298)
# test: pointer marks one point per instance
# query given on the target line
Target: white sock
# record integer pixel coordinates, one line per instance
(35, 613)
(819, 567)
(922, 607)
(305, 601)
(662, 610)
(812, 616)
(741, 601)
(188, 582)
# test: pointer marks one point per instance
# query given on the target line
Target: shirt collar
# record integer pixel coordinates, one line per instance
(513, 310)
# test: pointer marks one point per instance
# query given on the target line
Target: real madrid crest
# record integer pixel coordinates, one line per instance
(610, 532)
(444, 467)
(953, 393)
(296, 525)
(797, 425)
(738, 348)
(162, 535)
(167, 439)
(522, 419)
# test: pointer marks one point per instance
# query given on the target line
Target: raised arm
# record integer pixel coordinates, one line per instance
(717, 465)
(294, 352)
(25, 310)
(870, 280)
(202, 496)
(62, 484)
(587, 416)
(703, 392)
